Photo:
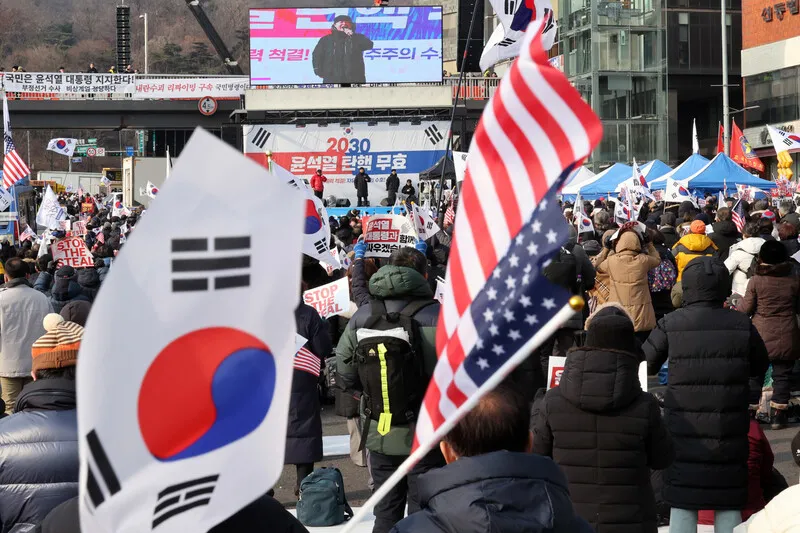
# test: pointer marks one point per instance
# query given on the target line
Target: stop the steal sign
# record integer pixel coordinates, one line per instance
(72, 252)
(331, 299)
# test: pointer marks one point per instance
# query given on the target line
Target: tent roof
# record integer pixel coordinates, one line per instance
(579, 175)
(685, 170)
(723, 170)
(655, 169)
(435, 172)
(606, 181)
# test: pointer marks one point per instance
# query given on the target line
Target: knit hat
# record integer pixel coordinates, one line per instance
(773, 253)
(611, 327)
(668, 219)
(698, 226)
(768, 214)
(592, 248)
(76, 311)
(58, 348)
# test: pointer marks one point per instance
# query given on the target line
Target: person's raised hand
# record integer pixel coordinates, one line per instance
(360, 249)
(421, 246)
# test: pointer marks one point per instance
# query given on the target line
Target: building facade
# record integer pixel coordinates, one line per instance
(771, 73)
(614, 54)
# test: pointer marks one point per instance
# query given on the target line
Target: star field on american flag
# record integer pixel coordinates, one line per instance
(518, 299)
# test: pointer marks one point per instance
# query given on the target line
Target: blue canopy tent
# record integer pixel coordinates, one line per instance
(685, 170)
(655, 169)
(606, 182)
(723, 170)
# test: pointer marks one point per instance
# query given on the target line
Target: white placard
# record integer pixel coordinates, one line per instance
(386, 233)
(331, 299)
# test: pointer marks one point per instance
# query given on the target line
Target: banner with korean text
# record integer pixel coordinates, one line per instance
(191, 89)
(341, 150)
(45, 83)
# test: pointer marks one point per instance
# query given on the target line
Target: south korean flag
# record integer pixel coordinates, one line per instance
(316, 229)
(514, 17)
(184, 423)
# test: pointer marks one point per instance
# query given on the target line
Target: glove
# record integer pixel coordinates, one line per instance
(360, 249)
(421, 246)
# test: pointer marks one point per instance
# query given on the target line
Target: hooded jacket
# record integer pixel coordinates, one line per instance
(339, 58)
(712, 353)
(606, 434)
(89, 280)
(396, 286)
(39, 453)
(670, 236)
(628, 269)
(740, 257)
(773, 300)
(691, 247)
(499, 491)
(725, 235)
(22, 310)
(65, 291)
(304, 432)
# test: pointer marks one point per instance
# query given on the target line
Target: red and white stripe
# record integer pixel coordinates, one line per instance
(14, 169)
(535, 127)
(306, 361)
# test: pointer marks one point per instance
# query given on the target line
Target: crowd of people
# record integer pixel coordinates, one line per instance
(713, 312)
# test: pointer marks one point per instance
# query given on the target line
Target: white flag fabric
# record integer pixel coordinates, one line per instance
(514, 17)
(695, 141)
(783, 141)
(6, 199)
(62, 146)
(424, 223)
(677, 192)
(317, 229)
(184, 424)
(152, 190)
(582, 222)
(50, 212)
(460, 165)
(119, 209)
(721, 202)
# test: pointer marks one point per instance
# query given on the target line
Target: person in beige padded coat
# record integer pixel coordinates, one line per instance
(627, 269)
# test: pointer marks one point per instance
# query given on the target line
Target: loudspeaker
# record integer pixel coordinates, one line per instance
(465, 9)
(123, 37)
(342, 202)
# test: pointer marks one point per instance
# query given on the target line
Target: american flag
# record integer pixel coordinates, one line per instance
(737, 216)
(14, 168)
(531, 135)
(306, 361)
(450, 214)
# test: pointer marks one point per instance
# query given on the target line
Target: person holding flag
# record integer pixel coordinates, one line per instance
(14, 167)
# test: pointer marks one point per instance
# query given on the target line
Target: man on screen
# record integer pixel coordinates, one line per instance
(339, 57)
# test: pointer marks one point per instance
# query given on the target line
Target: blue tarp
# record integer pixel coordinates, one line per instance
(655, 169)
(724, 170)
(606, 182)
(687, 169)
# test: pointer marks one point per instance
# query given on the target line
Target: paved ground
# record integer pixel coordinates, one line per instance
(356, 478)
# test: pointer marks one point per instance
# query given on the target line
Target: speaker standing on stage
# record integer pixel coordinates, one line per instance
(362, 189)
(392, 186)
(318, 183)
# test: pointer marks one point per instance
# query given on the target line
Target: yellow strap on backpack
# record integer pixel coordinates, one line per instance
(385, 420)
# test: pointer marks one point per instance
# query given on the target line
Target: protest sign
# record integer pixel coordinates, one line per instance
(440, 290)
(386, 233)
(5, 199)
(50, 212)
(555, 369)
(73, 252)
(331, 299)
(79, 228)
(65, 225)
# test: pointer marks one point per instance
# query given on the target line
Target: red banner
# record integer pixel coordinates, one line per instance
(742, 152)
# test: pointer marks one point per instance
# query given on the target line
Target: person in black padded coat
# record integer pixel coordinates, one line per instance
(712, 353)
(603, 430)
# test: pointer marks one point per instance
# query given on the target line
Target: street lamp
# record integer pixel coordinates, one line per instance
(146, 70)
(732, 111)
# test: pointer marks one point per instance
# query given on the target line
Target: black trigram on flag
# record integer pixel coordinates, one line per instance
(510, 7)
(434, 134)
(321, 246)
(506, 42)
(548, 15)
(183, 497)
(261, 137)
(100, 471)
(221, 262)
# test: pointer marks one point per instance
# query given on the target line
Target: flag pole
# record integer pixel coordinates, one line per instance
(441, 432)
(449, 148)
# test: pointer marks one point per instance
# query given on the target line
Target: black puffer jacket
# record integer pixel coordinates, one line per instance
(304, 434)
(500, 491)
(606, 434)
(712, 352)
(39, 453)
(725, 235)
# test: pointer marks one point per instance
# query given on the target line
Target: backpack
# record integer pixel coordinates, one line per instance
(391, 367)
(565, 271)
(322, 500)
(751, 269)
(663, 277)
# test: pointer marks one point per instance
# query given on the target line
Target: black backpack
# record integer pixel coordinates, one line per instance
(564, 270)
(751, 269)
(390, 366)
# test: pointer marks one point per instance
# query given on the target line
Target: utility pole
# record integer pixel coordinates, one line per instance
(726, 138)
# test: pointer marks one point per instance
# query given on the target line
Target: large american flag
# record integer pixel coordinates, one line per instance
(14, 168)
(531, 135)
(737, 216)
